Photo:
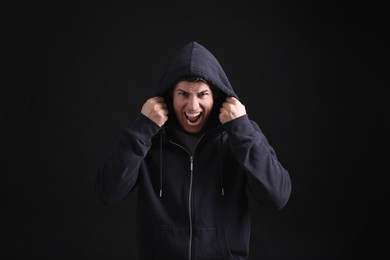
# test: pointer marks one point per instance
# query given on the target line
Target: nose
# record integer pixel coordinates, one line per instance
(193, 103)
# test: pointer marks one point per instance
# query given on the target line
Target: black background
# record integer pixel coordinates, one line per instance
(313, 76)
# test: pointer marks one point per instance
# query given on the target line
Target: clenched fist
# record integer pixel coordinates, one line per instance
(156, 109)
(231, 109)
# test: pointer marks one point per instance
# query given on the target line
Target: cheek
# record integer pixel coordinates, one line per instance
(177, 102)
(208, 104)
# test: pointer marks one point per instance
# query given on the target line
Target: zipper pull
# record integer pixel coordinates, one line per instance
(192, 163)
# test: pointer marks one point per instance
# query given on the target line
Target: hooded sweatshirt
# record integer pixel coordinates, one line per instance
(193, 205)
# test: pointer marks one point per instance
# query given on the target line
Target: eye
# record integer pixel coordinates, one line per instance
(182, 93)
(203, 93)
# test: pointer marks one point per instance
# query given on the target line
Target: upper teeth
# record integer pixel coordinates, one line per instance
(192, 114)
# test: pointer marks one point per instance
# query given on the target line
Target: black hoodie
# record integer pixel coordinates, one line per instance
(194, 206)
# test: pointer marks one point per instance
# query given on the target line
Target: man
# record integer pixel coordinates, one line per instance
(193, 151)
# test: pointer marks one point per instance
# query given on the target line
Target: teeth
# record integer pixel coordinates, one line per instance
(193, 114)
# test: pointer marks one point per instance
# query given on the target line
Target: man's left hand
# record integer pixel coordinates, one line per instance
(231, 109)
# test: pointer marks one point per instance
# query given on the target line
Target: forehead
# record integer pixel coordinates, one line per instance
(191, 86)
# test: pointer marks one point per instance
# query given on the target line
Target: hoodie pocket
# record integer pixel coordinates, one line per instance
(210, 243)
(170, 243)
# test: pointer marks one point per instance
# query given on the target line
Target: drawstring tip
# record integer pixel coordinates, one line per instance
(223, 192)
(160, 193)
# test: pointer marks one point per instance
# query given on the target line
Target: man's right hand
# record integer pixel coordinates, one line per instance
(156, 110)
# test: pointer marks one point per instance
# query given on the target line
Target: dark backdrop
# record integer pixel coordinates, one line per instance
(313, 76)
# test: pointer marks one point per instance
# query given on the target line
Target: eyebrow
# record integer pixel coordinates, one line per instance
(202, 91)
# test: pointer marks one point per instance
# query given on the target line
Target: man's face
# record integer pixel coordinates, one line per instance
(192, 102)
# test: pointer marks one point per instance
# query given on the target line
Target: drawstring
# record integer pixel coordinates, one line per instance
(221, 165)
(161, 161)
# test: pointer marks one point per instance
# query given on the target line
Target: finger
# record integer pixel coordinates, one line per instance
(232, 100)
(228, 106)
(157, 99)
(224, 108)
(158, 102)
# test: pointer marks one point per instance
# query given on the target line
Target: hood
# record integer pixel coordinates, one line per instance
(195, 60)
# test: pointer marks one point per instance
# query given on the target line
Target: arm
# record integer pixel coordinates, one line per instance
(118, 174)
(268, 181)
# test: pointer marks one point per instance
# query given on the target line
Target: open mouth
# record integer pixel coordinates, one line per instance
(193, 118)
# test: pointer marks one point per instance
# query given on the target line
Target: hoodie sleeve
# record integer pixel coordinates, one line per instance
(268, 181)
(118, 174)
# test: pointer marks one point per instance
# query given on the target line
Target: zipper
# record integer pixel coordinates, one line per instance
(189, 194)
(190, 208)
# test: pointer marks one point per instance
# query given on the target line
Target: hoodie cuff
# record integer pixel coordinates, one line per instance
(144, 127)
(239, 126)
